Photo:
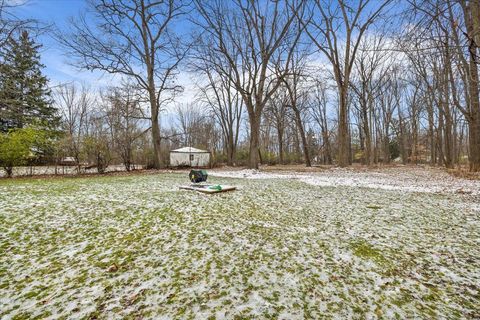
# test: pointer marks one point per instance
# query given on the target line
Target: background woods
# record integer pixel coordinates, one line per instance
(272, 82)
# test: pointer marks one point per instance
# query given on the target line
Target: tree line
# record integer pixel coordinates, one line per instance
(292, 81)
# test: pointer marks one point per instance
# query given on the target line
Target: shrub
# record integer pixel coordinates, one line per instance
(19, 146)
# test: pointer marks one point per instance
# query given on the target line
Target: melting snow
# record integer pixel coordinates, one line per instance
(303, 246)
(408, 179)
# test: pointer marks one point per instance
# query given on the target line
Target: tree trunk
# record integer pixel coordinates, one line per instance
(414, 136)
(474, 141)
(127, 165)
(327, 153)
(403, 140)
(343, 143)
(475, 114)
(386, 147)
(448, 140)
(368, 139)
(229, 157)
(280, 145)
(296, 144)
(440, 146)
(100, 163)
(445, 108)
(8, 171)
(157, 157)
(301, 130)
(230, 149)
(472, 22)
(431, 134)
(326, 140)
(361, 137)
(254, 142)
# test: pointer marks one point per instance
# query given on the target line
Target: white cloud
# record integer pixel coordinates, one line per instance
(15, 3)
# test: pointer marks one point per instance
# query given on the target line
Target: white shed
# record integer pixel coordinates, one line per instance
(68, 161)
(190, 157)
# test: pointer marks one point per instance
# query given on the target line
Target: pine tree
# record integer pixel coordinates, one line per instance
(24, 94)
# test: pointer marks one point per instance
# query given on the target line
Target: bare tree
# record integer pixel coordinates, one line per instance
(225, 103)
(74, 103)
(124, 115)
(277, 112)
(390, 102)
(336, 27)
(191, 119)
(255, 40)
(370, 68)
(294, 84)
(132, 38)
(451, 29)
(471, 12)
(97, 142)
(318, 108)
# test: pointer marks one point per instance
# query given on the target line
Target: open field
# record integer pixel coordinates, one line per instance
(286, 247)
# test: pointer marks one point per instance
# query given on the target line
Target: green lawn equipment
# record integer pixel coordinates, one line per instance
(197, 176)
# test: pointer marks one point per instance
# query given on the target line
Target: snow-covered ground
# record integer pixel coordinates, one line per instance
(137, 247)
(408, 179)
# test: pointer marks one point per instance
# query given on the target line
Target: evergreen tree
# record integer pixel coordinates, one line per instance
(24, 94)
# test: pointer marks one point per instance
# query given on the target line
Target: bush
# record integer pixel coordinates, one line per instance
(394, 149)
(269, 158)
(98, 152)
(242, 156)
(19, 146)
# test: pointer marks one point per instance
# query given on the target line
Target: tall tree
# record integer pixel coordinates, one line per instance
(191, 120)
(226, 105)
(294, 84)
(74, 104)
(450, 30)
(133, 38)
(255, 40)
(318, 109)
(123, 115)
(370, 69)
(337, 27)
(24, 93)
(277, 112)
(471, 12)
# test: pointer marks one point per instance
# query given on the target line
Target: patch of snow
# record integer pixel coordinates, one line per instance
(409, 179)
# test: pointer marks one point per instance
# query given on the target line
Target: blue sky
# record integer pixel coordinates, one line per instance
(57, 67)
(57, 13)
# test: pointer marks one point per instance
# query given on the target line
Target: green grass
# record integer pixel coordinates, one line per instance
(364, 250)
(137, 247)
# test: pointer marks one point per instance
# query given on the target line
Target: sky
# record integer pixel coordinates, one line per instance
(57, 13)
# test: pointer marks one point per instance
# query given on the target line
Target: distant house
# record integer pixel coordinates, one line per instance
(189, 157)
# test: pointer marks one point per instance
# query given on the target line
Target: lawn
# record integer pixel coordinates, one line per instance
(136, 247)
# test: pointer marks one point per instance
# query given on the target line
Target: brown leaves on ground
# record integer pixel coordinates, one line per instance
(113, 268)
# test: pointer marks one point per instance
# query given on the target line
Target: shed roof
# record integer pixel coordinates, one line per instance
(189, 150)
